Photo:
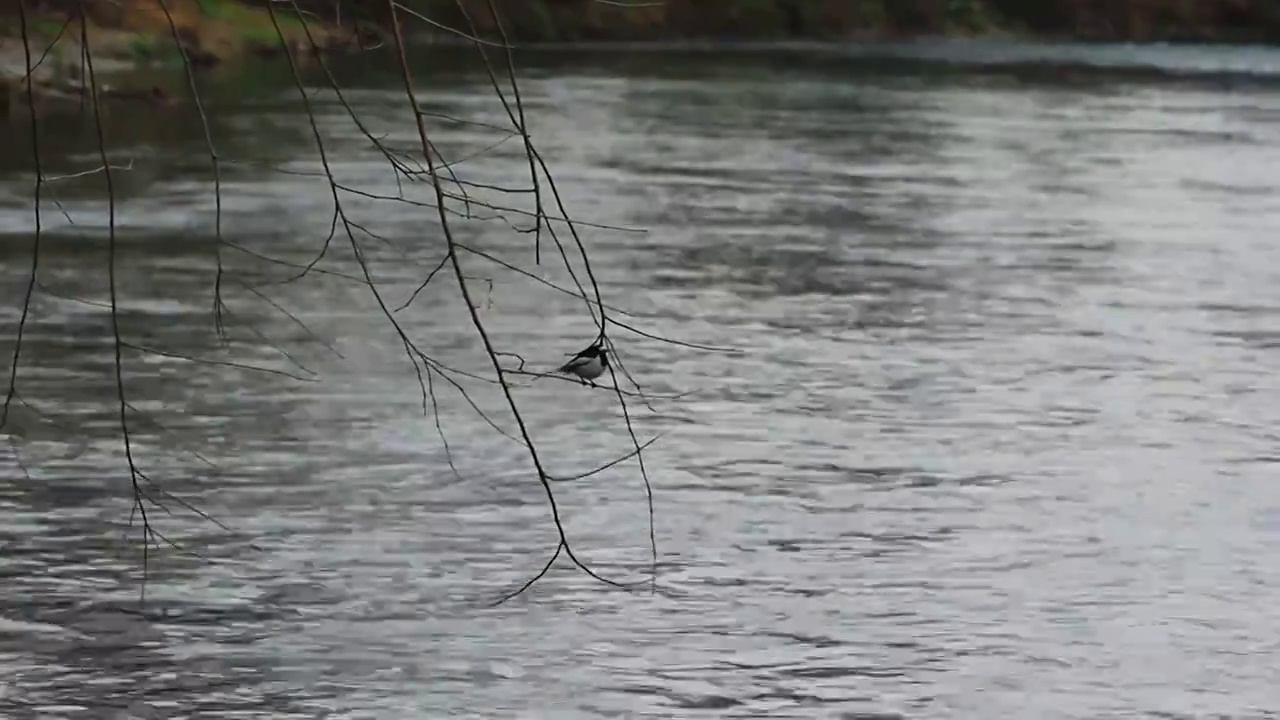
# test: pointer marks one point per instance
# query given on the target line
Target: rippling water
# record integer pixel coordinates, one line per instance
(999, 440)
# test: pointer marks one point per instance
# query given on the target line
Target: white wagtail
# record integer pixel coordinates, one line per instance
(588, 364)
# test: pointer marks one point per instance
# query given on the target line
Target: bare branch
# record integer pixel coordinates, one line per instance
(430, 173)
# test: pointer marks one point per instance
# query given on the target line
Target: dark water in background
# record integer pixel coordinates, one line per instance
(1001, 440)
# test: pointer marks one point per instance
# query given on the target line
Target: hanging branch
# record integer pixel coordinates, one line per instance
(454, 198)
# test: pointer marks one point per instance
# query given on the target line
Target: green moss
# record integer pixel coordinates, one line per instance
(40, 26)
(251, 24)
(158, 49)
(47, 27)
(544, 20)
(972, 16)
(141, 47)
(870, 14)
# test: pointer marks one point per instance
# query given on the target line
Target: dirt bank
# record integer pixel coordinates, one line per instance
(210, 30)
(125, 33)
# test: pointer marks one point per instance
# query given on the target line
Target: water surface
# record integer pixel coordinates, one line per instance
(999, 437)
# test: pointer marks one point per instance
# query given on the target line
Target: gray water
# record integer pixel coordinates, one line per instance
(997, 436)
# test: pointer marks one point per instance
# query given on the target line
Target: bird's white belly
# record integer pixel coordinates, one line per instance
(589, 369)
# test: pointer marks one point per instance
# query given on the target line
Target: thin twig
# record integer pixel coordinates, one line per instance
(35, 242)
(139, 500)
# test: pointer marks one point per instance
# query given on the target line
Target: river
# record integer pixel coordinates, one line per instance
(972, 411)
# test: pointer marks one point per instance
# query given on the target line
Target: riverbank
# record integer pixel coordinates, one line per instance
(220, 30)
(126, 33)
(210, 30)
(1231, 21)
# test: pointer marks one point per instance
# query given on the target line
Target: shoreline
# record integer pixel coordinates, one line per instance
(135, 34)
(129, 36)
(215, 31)
(1116, 21)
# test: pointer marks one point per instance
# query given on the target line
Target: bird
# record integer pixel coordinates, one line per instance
(588, 364)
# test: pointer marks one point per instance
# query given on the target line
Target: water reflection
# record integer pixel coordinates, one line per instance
(1004, 335)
